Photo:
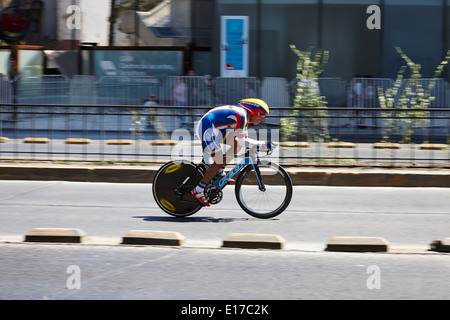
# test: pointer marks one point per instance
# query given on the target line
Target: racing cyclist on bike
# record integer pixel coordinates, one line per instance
(227, 125)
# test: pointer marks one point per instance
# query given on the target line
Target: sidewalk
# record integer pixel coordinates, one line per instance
(335, 176)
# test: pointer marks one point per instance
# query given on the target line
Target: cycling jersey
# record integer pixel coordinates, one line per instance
(220, 126)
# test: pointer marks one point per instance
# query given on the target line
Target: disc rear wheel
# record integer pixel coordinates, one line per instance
(172, 185)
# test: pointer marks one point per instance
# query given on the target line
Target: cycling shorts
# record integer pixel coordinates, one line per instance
(214, 140)
(219, 127)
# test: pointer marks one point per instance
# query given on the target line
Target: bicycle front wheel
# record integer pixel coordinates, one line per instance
(267, 203)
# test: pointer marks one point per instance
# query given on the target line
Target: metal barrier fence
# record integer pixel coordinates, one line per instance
(129, 133)
(198, 91)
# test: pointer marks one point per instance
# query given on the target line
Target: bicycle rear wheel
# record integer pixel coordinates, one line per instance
(172, 185)
(270, 202)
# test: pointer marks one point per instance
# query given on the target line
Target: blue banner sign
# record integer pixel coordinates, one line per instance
(234, 46)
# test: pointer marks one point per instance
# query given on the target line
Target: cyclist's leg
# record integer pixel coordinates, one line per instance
(231, 148)
(212, 141)
(211, 148)
(198, 191)
(221, 155)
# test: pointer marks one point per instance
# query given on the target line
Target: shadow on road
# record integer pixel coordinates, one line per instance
(191, 219)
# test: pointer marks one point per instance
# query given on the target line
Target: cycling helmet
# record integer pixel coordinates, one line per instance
(256, 107)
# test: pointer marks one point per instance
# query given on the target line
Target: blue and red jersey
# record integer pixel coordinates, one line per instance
(220, 125)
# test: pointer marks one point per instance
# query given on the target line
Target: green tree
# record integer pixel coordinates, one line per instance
(309, 114)
(388, 102)
(411, 105)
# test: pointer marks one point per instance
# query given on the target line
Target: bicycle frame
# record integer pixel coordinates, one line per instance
(238, 168)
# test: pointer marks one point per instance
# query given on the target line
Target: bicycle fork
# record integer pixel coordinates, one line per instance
(254, 162)
(261, 184)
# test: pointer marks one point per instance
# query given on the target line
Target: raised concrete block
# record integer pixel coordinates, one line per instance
(442, 245)
(63, 235)
(163, 142)
(295, 144)
(341, 144)
(157, 238)
(119, 142)
(78, 141)
(386, 145)
(358, 244)
(36, 140)
(432, 146)
(253, 241)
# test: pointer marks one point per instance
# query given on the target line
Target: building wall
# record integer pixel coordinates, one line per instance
(54, 33)
(94, 24)
(49, 21)
(419, 30)
(419, 27)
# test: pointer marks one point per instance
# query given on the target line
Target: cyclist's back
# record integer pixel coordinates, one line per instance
(224, 118)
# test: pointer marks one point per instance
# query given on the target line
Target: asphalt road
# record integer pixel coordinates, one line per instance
(107, 272)
(409, 218)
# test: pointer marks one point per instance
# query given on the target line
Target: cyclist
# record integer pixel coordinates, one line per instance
(227, 125)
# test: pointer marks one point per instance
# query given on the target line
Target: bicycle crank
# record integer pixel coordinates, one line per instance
(213, 194)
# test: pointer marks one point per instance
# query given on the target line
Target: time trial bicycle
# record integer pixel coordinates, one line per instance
(263, 189)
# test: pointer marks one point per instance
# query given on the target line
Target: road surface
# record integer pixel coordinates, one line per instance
(409, 218)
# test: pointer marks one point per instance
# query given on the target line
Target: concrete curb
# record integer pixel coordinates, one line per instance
(120, 142)
(369, 178)
(253, 241)
(61, 235)
(157, 238)
(357, 244)
(341, 144)
(432, 146)
(78, 141)
(386, 145)
(80, 174)
(232, 241)
(441, 245)
(300, 176)
(36, 140)
(163, 142)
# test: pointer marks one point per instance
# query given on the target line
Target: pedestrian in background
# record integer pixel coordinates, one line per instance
(180, 98)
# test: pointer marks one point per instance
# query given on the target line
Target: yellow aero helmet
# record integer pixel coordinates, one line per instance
(255, 106)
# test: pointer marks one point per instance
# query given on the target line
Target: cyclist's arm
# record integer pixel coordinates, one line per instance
(242, 134)
(247, 142)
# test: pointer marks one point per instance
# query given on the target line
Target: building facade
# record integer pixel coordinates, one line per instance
(361, 41)
(419, 27)
(65, 24)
